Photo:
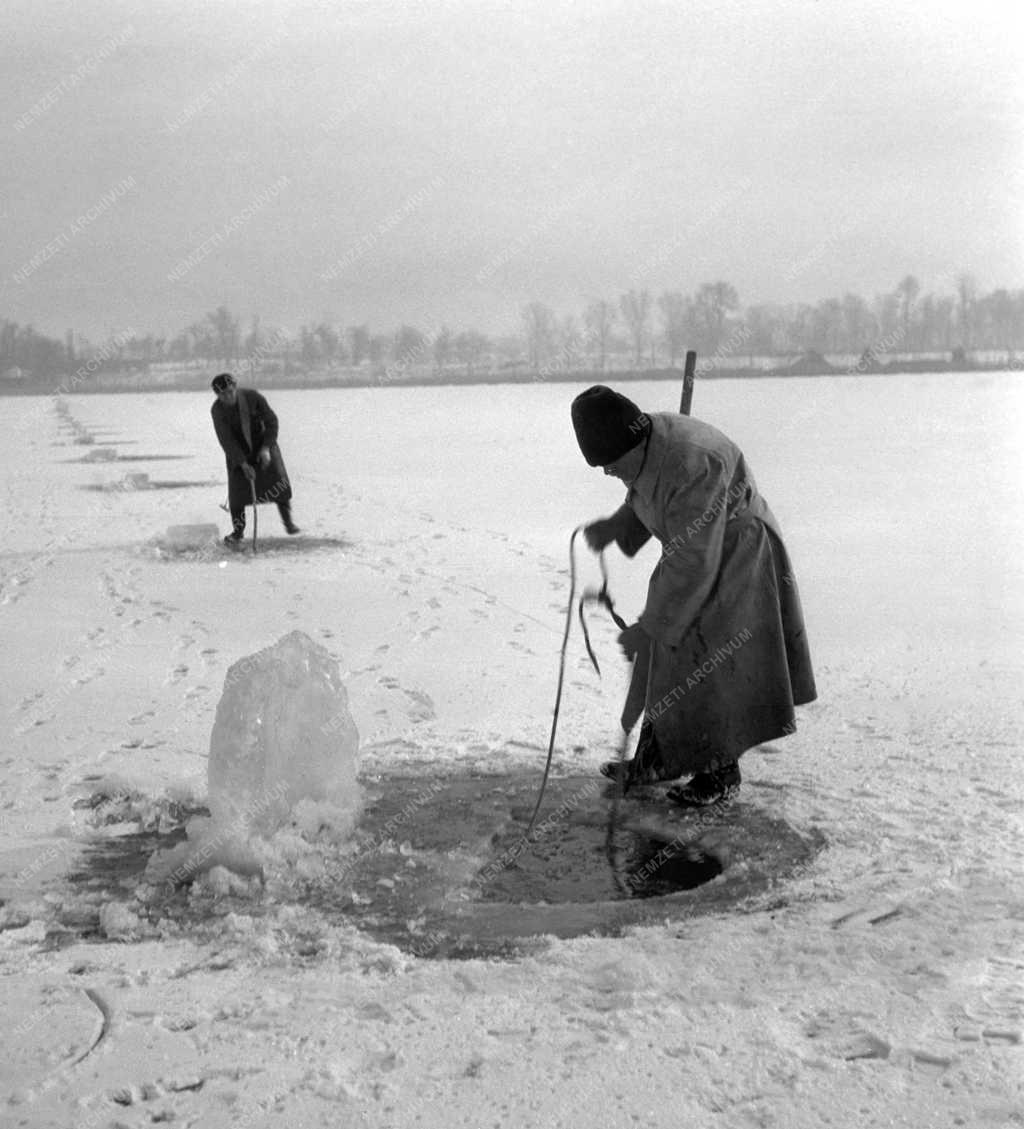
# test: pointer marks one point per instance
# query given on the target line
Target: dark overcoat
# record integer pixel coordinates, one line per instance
(242, 433)
(728, 657)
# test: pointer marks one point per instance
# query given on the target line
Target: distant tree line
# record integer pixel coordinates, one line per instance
(652, 329)
(637, 330)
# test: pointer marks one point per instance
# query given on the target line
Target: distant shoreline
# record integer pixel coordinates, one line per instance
(137, 381)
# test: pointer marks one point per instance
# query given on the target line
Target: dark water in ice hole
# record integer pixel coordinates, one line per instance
(442, 869)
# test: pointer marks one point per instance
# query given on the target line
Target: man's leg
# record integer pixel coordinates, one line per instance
(285, 510)
(237, 525)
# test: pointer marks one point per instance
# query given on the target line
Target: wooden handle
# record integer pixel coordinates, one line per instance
(688, 370)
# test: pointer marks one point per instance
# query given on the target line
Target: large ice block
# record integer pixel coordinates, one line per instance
(283, 734)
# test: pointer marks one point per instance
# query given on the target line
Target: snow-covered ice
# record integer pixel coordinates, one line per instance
(882, 986)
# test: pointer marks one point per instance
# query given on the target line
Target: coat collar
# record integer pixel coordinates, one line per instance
(243, 406)
(646, 481)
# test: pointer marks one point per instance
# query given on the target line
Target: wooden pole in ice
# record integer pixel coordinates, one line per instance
(688, 370)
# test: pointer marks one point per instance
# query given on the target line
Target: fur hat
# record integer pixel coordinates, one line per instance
(607, 424)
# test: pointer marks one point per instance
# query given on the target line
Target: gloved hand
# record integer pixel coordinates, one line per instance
(599, 533)
(632, 639)
(249, 472)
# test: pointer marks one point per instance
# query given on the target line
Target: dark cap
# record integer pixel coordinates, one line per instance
(607, 424)
(223, 380)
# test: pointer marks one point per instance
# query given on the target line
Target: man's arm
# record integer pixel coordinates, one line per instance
(623, 527)
(262, 411)
(630, 532)
(232, 448)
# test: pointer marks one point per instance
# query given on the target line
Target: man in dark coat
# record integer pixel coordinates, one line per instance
(247, 430)
(721, 655)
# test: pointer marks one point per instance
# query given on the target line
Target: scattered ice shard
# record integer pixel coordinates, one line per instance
(190, 536)
(101, 455)
(283, 735)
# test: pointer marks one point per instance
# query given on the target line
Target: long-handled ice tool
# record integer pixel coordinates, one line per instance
(255, 512)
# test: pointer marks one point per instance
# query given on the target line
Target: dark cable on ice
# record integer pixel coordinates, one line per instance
(590, 595)
(561, 678)
(593, 596)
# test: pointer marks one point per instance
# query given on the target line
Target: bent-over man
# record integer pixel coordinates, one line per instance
(720, 648)
(247, 430)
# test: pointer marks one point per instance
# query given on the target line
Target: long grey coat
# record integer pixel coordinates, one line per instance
(241, 436)
(729, 657)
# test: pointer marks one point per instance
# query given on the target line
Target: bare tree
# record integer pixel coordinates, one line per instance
(599, 318)
(944, 321)
(201, 341)
(443, 345)
(253, 339)
(636, 311)
(359, 343)
(828, 326)
(967, 300)
(409, 342)
(765, 329)
(377, 347)
(908, 290)
(712, 304)
(858, 329)
(996, 314)
(887, 312)
(328, 342)
(540, 325)
(224, 335)
(470, 347)
(309, 349)
(676, 314)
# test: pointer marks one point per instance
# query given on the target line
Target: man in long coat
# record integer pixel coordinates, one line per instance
(247, 430)
(721, 655)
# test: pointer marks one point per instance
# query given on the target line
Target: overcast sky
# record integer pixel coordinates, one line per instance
(426, 162)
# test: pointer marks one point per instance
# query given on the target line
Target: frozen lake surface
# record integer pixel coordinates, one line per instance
(882, 984)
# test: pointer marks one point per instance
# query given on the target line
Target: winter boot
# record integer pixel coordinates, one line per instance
(716, 786)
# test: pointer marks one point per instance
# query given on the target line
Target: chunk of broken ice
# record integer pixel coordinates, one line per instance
(190, 536)
(101, 455)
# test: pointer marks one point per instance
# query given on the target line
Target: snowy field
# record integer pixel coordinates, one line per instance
(883, 986)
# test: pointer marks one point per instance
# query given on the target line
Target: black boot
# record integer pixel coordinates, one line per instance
(237, 527)
(716, 786)
(285, 510)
